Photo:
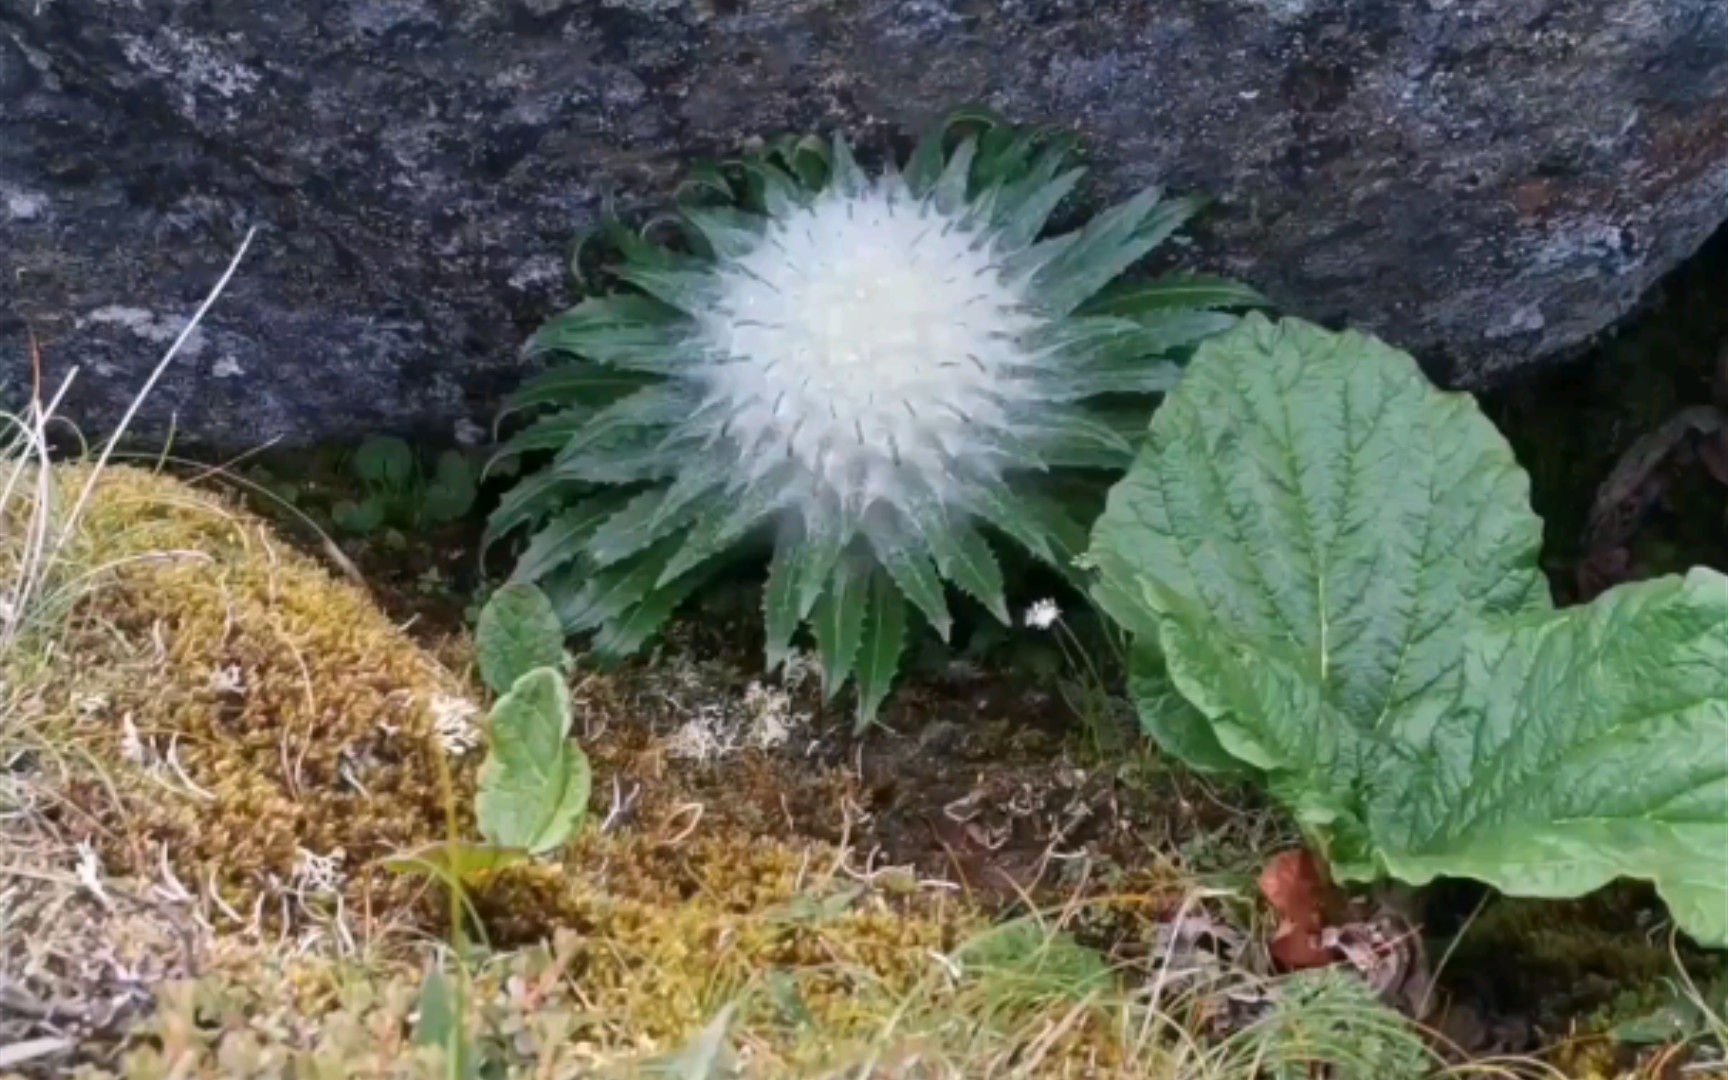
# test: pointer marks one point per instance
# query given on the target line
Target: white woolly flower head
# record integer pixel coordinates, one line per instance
(864, 373)
(873, 342)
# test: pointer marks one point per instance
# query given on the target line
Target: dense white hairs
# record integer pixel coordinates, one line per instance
(871, 353)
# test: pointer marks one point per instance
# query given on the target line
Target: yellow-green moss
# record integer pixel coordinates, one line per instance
(245, 709)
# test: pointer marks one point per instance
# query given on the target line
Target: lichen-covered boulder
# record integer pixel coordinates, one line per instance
(1482, 183)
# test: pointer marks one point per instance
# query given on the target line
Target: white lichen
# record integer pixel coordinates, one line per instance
(772, 717)
(317, 875)
(869, 353)
(705, 737)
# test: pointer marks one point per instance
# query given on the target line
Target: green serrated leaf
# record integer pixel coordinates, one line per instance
(1339, 565)
(948, 194)
(625, 330)
(547, 433)
(780, 614)
(1003, 154)
(809, 160)
(607, 595)
(1301, 487)
(1070, 436)
(1106, 246)
(1022, 216)
(652, 409)
(1172, 722)
(732, 233)
(1174, 292)
(641, 523)
(623, 636)
(1588, 745)
(704, 179)
(815, 568)
(845, 175)
(963, 556)
(586, 385)
(517, 632)
(881, 643)
(640, 253)
(1066, 535)
(624, 455)
(686, 290)
(1143, 377)
(772, 188)
(925, 167)
(565, 537)
(723, 525)
(531, 500)
(534, 783)
(913, 572)
(1009, 514)
(838, 621)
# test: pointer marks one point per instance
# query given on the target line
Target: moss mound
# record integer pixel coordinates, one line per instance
(234, 720)
(257, 726)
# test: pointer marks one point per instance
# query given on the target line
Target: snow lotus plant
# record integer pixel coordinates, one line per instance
(1330, 571)
(861, 373)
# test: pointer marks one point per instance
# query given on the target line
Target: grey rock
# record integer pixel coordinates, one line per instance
(1487, 182)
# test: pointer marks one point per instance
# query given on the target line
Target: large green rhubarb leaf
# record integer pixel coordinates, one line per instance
(1588, 744)
(1334, 566)
(1308, 502)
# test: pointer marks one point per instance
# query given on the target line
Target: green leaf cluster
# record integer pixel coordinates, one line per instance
(1331, 572)
(397, 493)
(535, 781)
(517, 632)
(634, 511)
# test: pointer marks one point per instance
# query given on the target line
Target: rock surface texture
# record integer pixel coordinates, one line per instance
(1483, 181)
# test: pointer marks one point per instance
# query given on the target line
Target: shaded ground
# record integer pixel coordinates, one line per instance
(1014, 790)
(1024, 789)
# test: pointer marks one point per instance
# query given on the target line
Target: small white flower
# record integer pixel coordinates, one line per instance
(1043, 615)
(453, 724)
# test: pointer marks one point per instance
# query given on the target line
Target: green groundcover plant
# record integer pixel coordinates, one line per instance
(861, 374)
(1330, 569)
